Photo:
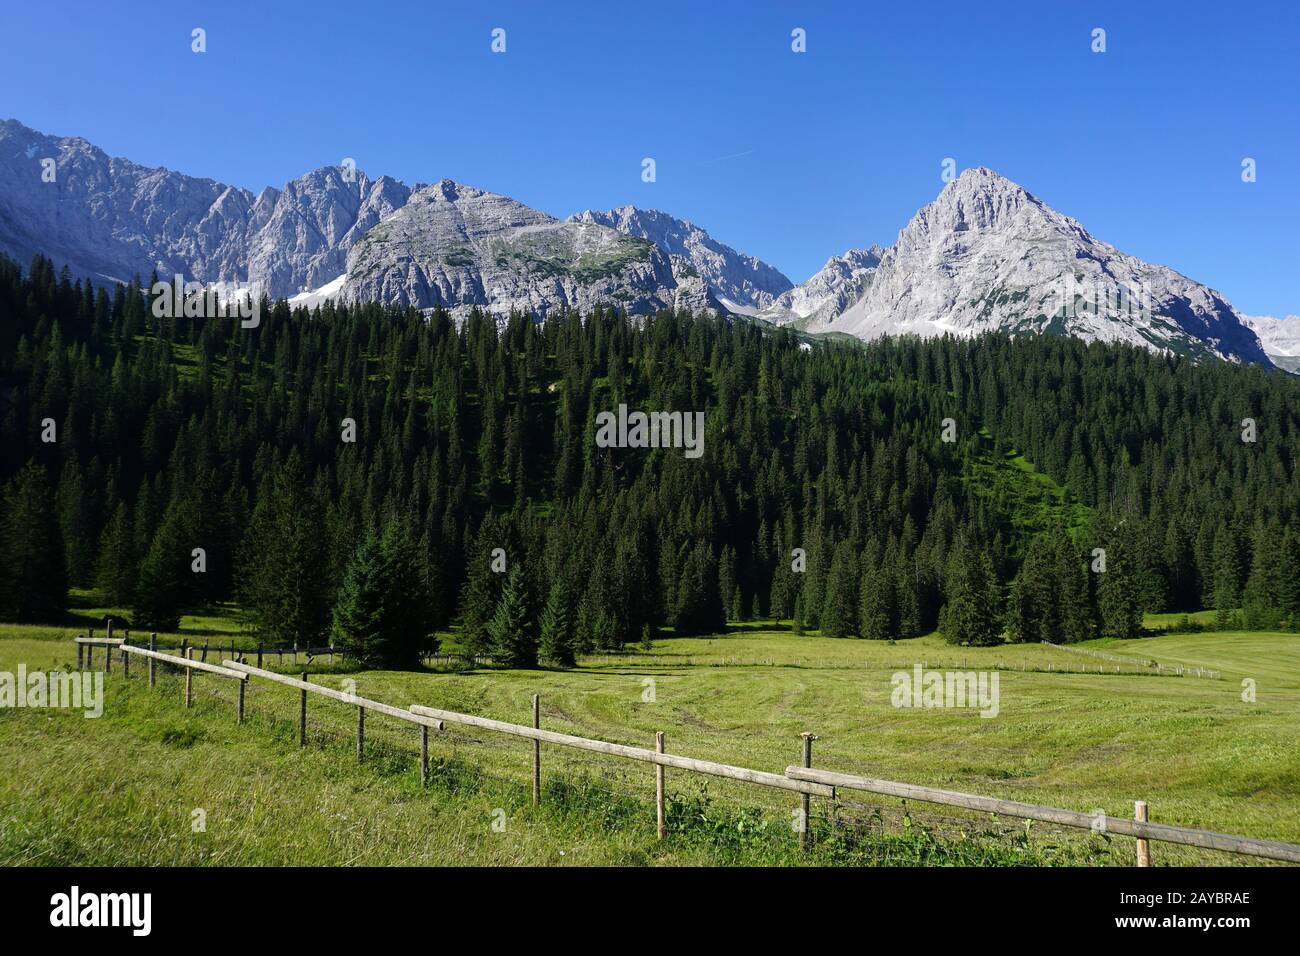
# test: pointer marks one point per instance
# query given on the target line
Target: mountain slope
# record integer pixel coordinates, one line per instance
(837, 285)
(988, 256)
(459, 247)
(740, 281)
(447, 244)
(1280, 338)
(110, 218)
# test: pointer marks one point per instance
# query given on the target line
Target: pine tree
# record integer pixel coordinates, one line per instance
(1119, 593)
(1261, 599)
(971, 609)
(75, 522)
(33, 578)
(115, 575)
(907, 602)
(878, 611)
(165, 585)
(287, 586)
(358, 625)
(382, 615)
(1031, 611)
(1075, 614)
(514, 643)
(482, 590)
(557, 642)
(839, 617)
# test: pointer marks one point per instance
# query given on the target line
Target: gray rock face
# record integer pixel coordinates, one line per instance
(735, 278)
(110, 219)
(1280, 338)
(459, 247)
(302, 235)
(988, 256)
(837, 285)
(337, 234)
(985, 255)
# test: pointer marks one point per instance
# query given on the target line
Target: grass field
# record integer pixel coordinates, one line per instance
(123, 788)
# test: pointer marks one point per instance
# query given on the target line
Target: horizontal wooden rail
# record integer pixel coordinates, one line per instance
(184, 662)
(111, 641)
(1268, 849)
(759, 777)
(339, 695)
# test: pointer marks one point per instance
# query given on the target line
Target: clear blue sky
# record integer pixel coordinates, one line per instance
(791, 157)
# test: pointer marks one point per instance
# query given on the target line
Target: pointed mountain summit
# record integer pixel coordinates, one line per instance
(987, 255)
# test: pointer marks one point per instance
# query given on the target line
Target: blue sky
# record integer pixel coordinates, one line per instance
(790, 157)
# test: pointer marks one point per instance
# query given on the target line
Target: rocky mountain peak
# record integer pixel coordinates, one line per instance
(741, 282)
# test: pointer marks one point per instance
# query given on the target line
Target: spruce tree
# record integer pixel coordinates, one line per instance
(115, 575)
(878, 611)
(907, 601)
(33, 578)
(557, 643)
(165, 585)
(1075, 613)
(1119, 592)
(971, 608)
(286, 585)
(839, 616)
(514, 642)
(358, 625)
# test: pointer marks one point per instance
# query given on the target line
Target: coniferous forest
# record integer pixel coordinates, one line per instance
(374, 476)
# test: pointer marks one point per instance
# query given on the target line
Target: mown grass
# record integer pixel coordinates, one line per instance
(121, 789)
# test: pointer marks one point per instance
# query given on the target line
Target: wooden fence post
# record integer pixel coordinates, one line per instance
(659, 787)
(239, 714)
(424, 755)
(302, 715)
(126, 660)
(805, 800)
(189, 680)
(537, 751)
(108, 650)
(1143, 846)
(361, 733)
(80, 652)
(259, 655)
(153, 646)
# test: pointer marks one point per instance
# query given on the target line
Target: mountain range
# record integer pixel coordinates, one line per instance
(985, 255)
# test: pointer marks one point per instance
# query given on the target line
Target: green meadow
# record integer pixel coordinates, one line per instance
(133, 786)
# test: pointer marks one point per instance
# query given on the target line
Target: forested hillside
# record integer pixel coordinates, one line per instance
(130, 441)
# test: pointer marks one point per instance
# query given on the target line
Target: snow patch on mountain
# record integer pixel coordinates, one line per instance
(310, 298)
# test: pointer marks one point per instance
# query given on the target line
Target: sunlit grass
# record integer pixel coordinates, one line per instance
(121, 788)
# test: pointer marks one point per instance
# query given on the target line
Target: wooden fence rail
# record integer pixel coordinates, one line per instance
(342, 696)
(184, 662)
(804, 780)
(760, 777)
(1179, 669)
(1205, 839)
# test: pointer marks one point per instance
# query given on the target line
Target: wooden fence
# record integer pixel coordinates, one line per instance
(267, 652)
(1118, 659)
(804, 780)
